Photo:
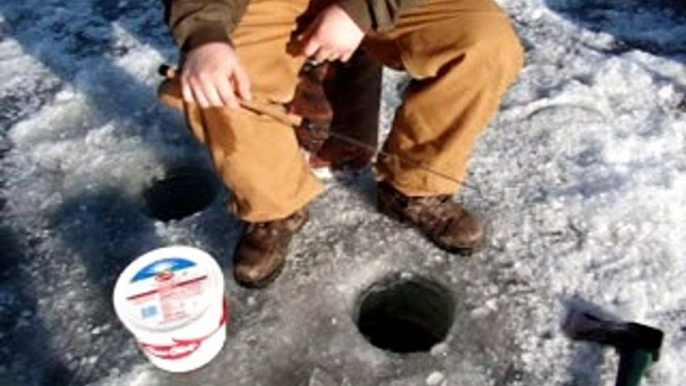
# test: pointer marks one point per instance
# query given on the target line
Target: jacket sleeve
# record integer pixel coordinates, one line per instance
(376, 15)
(195, 22)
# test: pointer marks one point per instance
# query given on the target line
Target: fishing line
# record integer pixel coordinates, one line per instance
(280, 113)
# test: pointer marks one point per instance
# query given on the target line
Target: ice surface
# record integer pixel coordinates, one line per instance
(582, 178)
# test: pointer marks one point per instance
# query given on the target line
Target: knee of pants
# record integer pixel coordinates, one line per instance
(488, 46)
(497, 48)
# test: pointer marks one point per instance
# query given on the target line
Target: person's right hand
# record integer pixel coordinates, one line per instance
(212, 76)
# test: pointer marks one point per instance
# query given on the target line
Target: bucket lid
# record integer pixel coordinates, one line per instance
(167, 288)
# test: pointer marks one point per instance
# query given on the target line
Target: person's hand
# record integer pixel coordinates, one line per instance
(333, 35)
(212, 76)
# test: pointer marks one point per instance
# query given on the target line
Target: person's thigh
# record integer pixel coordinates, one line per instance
(437, 32)
(261, 40)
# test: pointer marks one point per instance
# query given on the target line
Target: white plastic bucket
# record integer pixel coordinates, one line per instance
(172, 300)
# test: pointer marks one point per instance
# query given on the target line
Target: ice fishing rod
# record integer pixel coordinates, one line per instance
(311, 77)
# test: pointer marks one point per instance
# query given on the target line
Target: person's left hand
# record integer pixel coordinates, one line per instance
(332, 36)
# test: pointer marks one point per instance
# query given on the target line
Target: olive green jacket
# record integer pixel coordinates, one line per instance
(195, 22)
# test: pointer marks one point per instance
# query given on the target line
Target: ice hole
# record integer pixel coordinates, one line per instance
(181, 192)
(405, 315)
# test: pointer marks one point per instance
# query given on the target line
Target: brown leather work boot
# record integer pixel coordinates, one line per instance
(447, 224)
(261, 251)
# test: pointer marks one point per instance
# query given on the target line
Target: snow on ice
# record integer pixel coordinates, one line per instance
(581, 177)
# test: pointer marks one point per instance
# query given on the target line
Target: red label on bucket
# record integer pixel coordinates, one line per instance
(175, 352)
(183, 348)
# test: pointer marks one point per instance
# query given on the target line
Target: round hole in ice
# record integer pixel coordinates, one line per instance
(405, 315)
(181, 192)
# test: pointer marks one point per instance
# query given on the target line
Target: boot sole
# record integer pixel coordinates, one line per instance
(462, 251)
